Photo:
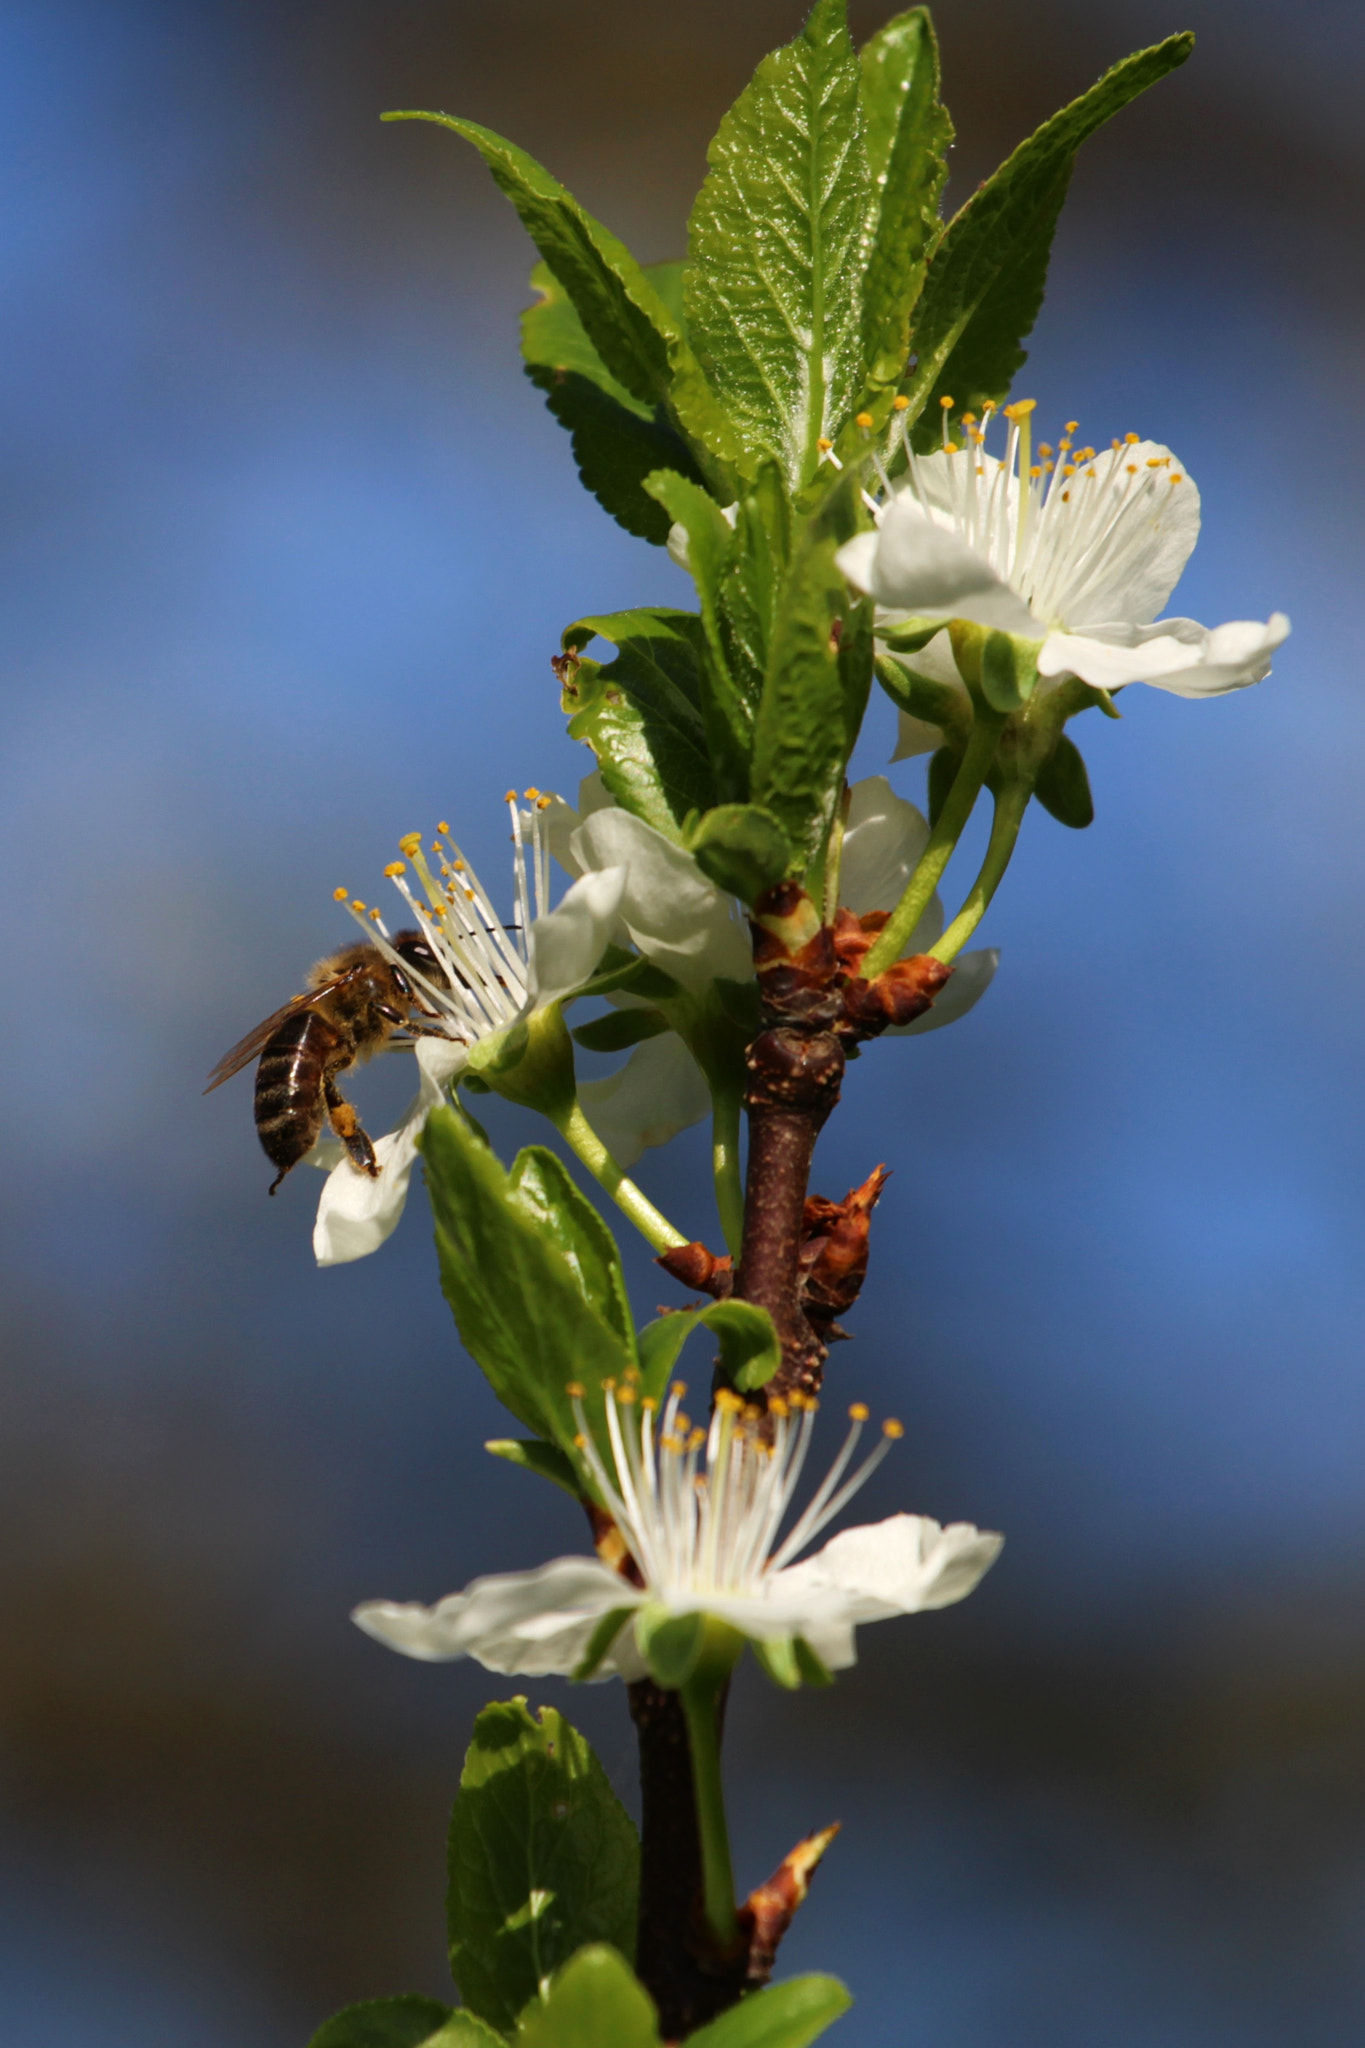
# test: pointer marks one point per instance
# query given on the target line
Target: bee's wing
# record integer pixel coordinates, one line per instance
(256, 1041)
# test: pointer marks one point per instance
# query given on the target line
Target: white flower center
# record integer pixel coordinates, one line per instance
(700, 1510)
(1059, 529)
(483, 964)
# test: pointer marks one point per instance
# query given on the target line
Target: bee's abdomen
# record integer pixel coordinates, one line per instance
(289, 1088)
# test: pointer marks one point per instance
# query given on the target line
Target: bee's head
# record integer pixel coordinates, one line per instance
(413, 948)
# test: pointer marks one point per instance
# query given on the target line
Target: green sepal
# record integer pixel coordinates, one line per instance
(642, 713)
(789, 2015)
(544, 1460)
(790, 1662)
(617, 441)
(776, 247)
(921, 697)
(741, 848)
(530, 1063)
(600, 1641)
(596, 2001)
(620, 1029)
(686, 1649)
(749, 1349)
(535, 1297)
(911, 636)
(987, 275)
(1009, 670)
(542, 1859)
(631, 973)
(409, 2021)
(1063, 786)
(908, 137)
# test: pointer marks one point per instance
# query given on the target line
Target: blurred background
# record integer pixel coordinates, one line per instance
(287, 542)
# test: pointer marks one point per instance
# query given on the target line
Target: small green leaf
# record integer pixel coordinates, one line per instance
(617, 440)
(786, 2015)
(641, 713)
(542, 1459)
(540, 1185)
(408, 2022)
(1009, 670)
(726, 710)
(749, 1350)
(777, 245)
(908, 136)
(751, 587)
(741, 848)
(594, 2002)
(619, 1029)
(801, 743)
(534, 1300)
(543, 1858)
(986, 277)
(1063, 786)
(623, 314)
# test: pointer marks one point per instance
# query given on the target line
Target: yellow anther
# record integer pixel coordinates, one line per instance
(1045, 449)
(895, 1430)
(1116, 444)
(900, 403)
(824, 444)
(684, 1423)
(1132, 439)
(863, 420)
(947, 402)
(632, 1372)
(1131, 468)
(1066, 497)
(1021, 408)
(396, 867)
(952, 447)
(969, 419)
(469, 895)
(728, 1400)
(626, 1396)
(340, 895)
(649, 1405)
(510, 797)
(357, 906)
(1068, 469)
(580, 1442)
(1065, 443)
(609, 1386)
(1176, 477)
(1072, 425)
(695, 1442)
(778, 1407)
(375, 915)
(678, 1390)
(531, 795)
(459, 867)
(574, 1390)
(981, 469)
(988, 408)
(410, 844)
(753, 1413)
(543, 802)
(438, 910)
(1157, 461)
(1036, 470)
(442, 826)
(1087, 455)
(858, 1411)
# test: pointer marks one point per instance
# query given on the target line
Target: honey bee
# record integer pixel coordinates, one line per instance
(354, 1003)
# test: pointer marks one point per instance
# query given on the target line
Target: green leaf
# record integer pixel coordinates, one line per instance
(543, 1858)
(542, 1459)
(783, 2016)
(777, 245)
(540, 1185)
(986, 277)
(623, 314)
(594, 2002)
(641, 713)
(535, 1298)
(751, 586)
(1063, 786)
(801, 742)
(617, 441)
(749, 1350)
(727, 710)
(619, 1029)
(741, 848)
(908, 136)
(408, 2022)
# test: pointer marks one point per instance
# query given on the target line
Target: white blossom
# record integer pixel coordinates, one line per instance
(1077, 551)
(701, 1512)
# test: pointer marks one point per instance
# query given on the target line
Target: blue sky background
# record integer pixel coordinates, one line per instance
(285, 546)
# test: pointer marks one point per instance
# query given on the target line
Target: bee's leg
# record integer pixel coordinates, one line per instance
(346, 1124)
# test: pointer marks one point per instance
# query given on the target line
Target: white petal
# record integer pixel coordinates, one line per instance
(915, 736)
(657, 1093)
(675, 916)
(900, 1566)
(1160, 532)
(530, 1624)
(357, 1212)
(972, 976)
(883, 839)
(1178, 655)
(922, 567)
(568, 942)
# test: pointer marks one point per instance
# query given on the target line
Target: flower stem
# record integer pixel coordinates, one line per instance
(701, 1701)
(1010, 806)
(725, 1109)
(975, 767)
(579, 1135)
